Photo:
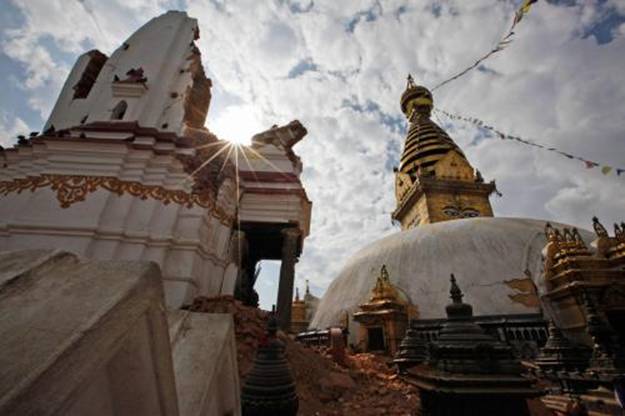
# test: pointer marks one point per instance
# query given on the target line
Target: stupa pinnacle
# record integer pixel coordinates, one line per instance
(434, 182)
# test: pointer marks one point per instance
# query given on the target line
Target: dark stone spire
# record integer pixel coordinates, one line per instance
(463, 346)
(412, 351)
(269, 388)
(608, 359)
(454, 291)
(560, 354)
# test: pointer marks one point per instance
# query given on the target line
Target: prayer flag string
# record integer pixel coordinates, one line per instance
(589, 164)
(501, 45)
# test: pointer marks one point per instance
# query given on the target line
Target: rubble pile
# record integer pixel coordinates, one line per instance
(366, 386)
(378, 390)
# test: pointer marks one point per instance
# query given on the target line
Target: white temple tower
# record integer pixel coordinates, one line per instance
(125, 169)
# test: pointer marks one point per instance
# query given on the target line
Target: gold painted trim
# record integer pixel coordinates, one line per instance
(75, 188)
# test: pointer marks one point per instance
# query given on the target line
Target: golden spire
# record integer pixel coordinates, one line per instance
(434, 174)
(416, 100)
(426, 143)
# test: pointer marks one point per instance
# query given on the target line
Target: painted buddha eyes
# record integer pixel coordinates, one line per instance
(469, 213)
(456, 213)
(451, 212)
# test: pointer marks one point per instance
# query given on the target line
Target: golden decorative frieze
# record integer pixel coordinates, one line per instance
(75, 188)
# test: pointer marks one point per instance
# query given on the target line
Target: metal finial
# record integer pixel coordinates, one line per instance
(599, 228)
(577, 236)
(410, 81)
(455, 292)
(384, 273)
(307, 288)
(297, 293)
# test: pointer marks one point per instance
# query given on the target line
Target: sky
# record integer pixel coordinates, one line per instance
(340, 68)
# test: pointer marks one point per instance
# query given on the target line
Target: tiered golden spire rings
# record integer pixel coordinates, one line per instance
(416, 100)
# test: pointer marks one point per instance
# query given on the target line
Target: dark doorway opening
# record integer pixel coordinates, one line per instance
(617, 320)
(375, 338)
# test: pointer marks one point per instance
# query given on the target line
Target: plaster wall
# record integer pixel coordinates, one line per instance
(204, 355)
(189, 243)
(162, 47)
(83, 337)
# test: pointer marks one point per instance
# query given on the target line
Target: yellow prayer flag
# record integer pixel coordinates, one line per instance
(527, 4)
(606, 169)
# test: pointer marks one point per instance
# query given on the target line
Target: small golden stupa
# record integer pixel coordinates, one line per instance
(384, 318)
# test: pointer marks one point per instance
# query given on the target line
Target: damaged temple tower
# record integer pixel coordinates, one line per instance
(125, 174)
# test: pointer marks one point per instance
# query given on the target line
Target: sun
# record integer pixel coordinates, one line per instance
(236, 124)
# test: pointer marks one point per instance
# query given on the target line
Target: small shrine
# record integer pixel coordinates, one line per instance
(573, 270)
(384, 318)
(596, 389)
(583, 358)
(303, 309)
(469, 372)
(299, 323)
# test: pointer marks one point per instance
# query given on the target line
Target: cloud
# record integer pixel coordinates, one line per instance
(340, 68)
(10, 128)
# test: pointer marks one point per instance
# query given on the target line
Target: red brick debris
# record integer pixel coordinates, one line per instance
(365, 386)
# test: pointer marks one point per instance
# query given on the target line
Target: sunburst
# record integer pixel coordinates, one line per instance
(245, 157)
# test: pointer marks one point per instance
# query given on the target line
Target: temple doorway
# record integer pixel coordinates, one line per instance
(375, 337)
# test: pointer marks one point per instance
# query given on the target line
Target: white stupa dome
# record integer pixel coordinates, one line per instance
(487, 255)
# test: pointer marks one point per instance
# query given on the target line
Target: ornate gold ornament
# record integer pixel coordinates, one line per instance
(75, 188)
(384, 290)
